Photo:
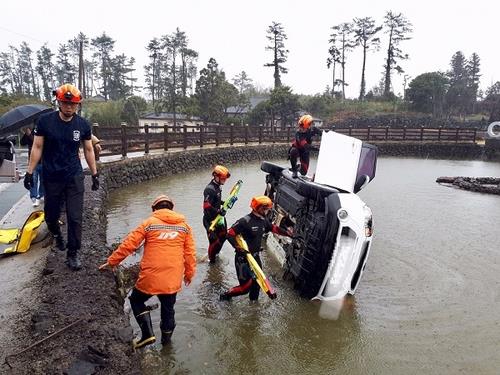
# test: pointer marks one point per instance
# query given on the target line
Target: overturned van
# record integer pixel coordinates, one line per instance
(332, 225)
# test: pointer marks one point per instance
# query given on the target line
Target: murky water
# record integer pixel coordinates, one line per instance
(428, 302)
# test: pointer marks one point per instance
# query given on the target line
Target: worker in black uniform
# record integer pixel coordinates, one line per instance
(212, 206)
(301, 145)
(251, 227)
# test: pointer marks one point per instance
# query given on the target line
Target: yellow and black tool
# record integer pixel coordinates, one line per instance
(228, 204)
(260, 277)
(24, 236)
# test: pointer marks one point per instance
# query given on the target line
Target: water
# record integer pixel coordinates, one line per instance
(428, 302)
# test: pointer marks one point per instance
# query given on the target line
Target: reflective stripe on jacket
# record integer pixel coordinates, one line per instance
(169, 252)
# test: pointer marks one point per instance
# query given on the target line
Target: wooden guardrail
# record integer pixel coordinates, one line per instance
(125, 139)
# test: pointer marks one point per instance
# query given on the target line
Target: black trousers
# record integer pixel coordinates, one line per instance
(302, 154)
(216, 238)
(246, 278)
(70, 193)
(137, 302)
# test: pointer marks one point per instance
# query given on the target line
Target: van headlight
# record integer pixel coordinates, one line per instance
(368, 221)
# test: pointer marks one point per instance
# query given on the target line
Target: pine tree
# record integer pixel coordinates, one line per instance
(276, 36)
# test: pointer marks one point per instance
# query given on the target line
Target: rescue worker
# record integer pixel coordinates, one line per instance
(301, 145)
(169, 257)
(58, 136)
(251, 227)
(212, 206)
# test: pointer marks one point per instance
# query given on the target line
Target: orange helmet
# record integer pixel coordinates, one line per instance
(68, 93)
(305, 121)
(221, 172)
(162, 198)
(259, 201)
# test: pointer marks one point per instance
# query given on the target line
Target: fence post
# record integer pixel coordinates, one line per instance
(231, 134)
(350, 131)
(386, 133)
(216, 135)
(185, 139)
(404, 133)
(474, 136)
(288, 131)
(421, 133)
(201, 135)
(246, 134)
(260, 133)
(368, 133)
(333, 127)
(439, 133)
(165, 137)
(95, 131)
(456, 134)
(124, 139)
(146, 136)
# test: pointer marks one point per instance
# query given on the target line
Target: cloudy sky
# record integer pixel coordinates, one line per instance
(234, 33)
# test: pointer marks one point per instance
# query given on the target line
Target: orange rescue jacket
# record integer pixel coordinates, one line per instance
(169, 252)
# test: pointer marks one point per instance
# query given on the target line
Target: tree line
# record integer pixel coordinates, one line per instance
(174, 83)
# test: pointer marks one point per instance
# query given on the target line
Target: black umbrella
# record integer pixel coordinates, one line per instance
(18, 117)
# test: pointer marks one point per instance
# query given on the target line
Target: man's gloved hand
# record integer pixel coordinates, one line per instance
(222, 211)
(95, 182)
(28, 181)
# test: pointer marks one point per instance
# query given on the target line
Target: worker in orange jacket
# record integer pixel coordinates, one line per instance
(169, 256)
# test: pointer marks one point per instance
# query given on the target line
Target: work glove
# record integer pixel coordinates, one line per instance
(95, 182)
(28, 181)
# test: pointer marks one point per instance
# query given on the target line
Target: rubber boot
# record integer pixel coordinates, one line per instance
(166, 336)
(225, 296)
(147, 338)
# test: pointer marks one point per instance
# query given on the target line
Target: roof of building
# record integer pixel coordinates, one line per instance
(242, 110)
(167, 116)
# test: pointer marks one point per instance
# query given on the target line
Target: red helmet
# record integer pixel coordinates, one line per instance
(305, 121)
(260, 201)
(162, 198)
(221, 172)
(68, 93)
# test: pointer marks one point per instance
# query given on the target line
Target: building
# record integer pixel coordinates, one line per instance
(156, 122)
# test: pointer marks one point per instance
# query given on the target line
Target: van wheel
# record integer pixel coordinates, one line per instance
(271, 168)
(309, 190)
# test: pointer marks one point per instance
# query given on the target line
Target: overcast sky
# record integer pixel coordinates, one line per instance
(234, 33)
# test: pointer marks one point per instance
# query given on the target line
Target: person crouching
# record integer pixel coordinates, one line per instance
(169, 256)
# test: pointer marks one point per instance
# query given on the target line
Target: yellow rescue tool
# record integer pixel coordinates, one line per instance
(23, 236)
(261, 279)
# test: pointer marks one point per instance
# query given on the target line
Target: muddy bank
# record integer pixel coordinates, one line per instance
(100, 335)
(99, 340)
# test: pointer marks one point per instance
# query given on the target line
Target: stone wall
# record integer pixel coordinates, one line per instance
(411, 121)
(433, 151)
(134, 170)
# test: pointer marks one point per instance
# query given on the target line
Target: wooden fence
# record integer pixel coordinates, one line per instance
(124, 139)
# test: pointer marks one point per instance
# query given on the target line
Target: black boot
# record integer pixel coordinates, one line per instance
(73, 261)
(166, 336)
(225, 296)
(59, 242)
(148, 337)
